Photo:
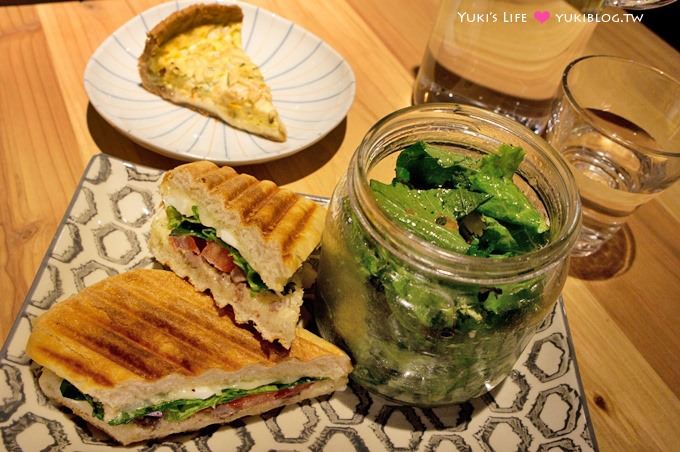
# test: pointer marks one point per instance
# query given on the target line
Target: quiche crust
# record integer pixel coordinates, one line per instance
(194, 58)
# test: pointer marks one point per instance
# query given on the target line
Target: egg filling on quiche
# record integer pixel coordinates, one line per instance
(206, 68)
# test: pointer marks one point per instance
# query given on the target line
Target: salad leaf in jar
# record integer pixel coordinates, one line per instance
(508, 224)
(452, 201)
(420, 330)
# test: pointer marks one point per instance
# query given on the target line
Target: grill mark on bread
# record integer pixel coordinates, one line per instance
(115, 348)
(180, 361)
(121, 348)
(248, 196)
(216, 176)
(233, 187)
(204, 316)
(225, 360)
(274, 210)
(174, 329)
(159, 320)
(140, 303)
(290, 239)
(248, 202)
(80, 367)
(127, 323)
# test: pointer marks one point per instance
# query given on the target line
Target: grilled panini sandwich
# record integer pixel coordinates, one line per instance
(194, 58)
(243, 239)
(142, 355)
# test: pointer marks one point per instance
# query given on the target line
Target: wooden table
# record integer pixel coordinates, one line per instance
(624, 326)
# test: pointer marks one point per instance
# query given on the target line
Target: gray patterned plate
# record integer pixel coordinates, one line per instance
(540, 407)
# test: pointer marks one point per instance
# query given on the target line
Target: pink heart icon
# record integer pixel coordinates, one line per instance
(541, 16)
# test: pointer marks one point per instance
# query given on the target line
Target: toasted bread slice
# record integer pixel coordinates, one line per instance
(274, 229)
(195, 58)
(147, 336)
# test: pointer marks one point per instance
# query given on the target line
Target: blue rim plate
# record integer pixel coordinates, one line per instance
(312, 86)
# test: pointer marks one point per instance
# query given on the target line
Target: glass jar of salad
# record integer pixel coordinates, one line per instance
(446, 244)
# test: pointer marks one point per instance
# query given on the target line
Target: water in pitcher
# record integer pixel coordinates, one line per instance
(502, 55)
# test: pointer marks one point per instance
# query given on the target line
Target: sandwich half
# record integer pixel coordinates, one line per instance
(194, 58)
(142, 355)
(243, 239)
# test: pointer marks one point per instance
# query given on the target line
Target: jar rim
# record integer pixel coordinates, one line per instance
(449, 264)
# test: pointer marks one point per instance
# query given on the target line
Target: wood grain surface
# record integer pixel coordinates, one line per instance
(623, 305)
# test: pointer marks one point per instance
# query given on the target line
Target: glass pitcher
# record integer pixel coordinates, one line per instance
(508, 55)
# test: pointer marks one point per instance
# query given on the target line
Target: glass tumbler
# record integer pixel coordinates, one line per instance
(617, 123)
(385, 295)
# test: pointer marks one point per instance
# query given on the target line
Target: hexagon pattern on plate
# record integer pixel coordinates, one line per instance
(539, 407)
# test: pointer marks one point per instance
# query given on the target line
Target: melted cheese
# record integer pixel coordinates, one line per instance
(203, 392)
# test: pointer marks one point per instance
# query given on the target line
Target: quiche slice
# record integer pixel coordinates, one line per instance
(194, 58)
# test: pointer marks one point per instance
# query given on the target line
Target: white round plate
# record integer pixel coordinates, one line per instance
(312, 86)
